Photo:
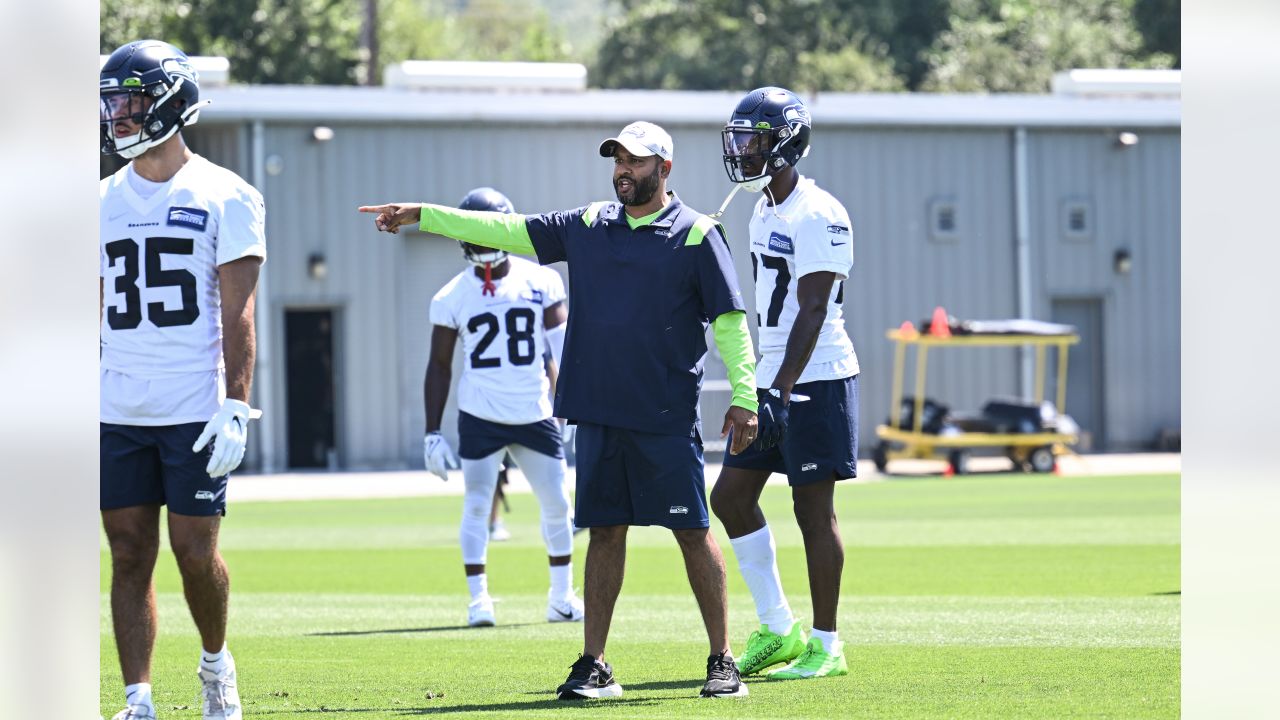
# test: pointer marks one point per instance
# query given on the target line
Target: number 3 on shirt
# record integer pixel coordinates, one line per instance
(127, 283)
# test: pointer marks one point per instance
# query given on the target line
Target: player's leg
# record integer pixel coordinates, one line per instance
(821, 453)
(131, 491)
(546, 476)
(497, 529)
(480, 477)
(736, 502)
(603, 504)
(197, 503)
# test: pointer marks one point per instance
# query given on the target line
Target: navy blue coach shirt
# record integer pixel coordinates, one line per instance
(641, 301)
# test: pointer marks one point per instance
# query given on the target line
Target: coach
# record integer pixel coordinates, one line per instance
(648, 274)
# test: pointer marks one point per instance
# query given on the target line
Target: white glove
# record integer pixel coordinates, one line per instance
(438, 455)
(230, 425)
(568, 433)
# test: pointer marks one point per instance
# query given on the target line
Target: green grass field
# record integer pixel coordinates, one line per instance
(1006, 596)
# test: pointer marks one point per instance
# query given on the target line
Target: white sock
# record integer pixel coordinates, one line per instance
(827, 637)
(138, 694)
(758, 561)
(561, 580)
(216, 662)
(478, 585)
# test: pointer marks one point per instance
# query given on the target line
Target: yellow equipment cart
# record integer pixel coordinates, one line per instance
(1034, 451)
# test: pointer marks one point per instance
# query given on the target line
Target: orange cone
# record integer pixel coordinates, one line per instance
(907, 331)
(939, 326)
(949, 471)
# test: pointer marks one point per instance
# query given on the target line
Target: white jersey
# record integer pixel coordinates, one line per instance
(504, 379)
(162, 319)
(809, 232)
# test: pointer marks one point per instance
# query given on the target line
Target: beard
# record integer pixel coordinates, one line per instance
(642, 188)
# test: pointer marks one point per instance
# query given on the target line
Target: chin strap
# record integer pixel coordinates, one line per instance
(489, 288)
(728, 199)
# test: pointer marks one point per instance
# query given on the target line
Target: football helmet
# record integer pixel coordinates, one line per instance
(153, 84)
(485, 198)
(769, 130)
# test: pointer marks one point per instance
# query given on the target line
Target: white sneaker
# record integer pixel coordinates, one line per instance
(219, 694)
(499, 532)
(136, 712)
(480, 612)
(566, 609)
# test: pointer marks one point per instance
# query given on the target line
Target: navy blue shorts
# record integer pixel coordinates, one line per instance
(154, 465)
(626, 477)
(479, 438)
(822, 436)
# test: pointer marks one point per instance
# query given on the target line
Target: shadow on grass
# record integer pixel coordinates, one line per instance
(691, 685)
(395, 631)
(1171, 592)
(560, 706)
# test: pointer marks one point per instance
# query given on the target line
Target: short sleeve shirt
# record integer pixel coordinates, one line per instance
(642, 300)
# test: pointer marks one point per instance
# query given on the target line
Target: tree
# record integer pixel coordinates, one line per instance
(1160, 22)
(1017, 45)
(723, 44)
(267, 41)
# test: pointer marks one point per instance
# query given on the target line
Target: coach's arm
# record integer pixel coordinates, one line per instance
(501, 231)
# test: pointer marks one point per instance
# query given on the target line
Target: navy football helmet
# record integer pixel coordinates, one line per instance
(488, 199)
(769, 130)
(153, 84)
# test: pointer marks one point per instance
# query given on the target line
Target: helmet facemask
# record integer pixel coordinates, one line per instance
(753, 154)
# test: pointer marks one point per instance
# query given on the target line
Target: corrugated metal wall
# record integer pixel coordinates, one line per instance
(888, 178)
(1132, 199)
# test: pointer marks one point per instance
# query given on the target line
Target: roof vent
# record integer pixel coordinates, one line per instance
(1163, 84)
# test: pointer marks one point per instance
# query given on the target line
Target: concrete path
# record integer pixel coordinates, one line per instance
(417, 483)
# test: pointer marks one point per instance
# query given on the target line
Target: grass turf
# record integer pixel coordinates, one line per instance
(974, 597)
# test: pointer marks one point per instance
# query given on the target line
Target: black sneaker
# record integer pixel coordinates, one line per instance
(589, 678)
(723, 679)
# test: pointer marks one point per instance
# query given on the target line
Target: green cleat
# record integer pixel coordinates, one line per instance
(766, 648)
(815, 662)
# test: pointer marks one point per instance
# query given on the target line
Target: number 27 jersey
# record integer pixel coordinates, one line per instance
(808, 232)
(159, 259)
(503, 340)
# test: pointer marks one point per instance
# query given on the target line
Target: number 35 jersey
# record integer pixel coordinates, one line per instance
(503, 340)
(809, 232)
(162, 310)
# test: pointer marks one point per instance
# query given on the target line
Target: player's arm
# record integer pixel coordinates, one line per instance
(435, 387)
(238, 283)
(502, 231)
(552, 369)
(813, 294)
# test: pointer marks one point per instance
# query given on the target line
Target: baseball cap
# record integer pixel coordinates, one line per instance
(641, 139)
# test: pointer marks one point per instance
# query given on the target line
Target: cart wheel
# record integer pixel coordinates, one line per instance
(1042, 460)
(959, 461)
(880, 456)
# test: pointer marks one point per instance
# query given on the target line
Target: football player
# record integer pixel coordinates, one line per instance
(510, 315)
(181, 245)
(801, 254)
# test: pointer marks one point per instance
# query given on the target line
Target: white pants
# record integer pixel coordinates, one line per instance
(545, 474)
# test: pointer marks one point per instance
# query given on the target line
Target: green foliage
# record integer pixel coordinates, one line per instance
(1017, 45)
(1160, 22)
(267, 41)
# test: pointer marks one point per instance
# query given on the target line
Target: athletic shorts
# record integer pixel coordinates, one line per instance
(478, 438)
(626, 477)
(821, 439)
(150, 465)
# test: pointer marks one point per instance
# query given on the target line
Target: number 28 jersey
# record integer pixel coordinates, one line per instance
(503, 340)
(808, 232)
(162, 309)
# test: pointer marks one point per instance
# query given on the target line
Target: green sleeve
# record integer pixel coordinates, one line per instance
(734, 342)
(501, 231)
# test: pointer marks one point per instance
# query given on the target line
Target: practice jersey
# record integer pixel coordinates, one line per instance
(162, 312)
(809, 232)
(504, 379)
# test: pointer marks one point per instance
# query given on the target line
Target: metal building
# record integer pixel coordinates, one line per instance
(1057, 208)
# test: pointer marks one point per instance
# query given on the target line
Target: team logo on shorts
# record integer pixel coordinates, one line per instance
(194, 218)
(679, 510)
(808, 466)
(204, 495)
